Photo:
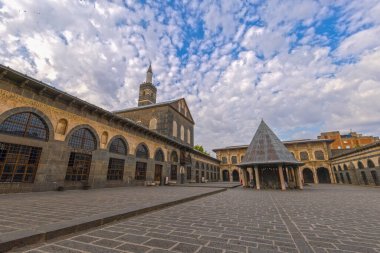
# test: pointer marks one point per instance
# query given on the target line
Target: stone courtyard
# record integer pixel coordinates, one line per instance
(321, 218)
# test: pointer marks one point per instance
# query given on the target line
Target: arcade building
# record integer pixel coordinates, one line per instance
(52, 140)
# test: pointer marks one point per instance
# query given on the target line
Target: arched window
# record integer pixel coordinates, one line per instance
(159, 156)
(118, 146)
(182, 133)
(360, 165)
(175, 129)
(304, 156)
(319, 155)
(188, 136)
(370, 164)
(153, 124)
(233, 159)
(174, 157)
(224, 160)
(142, 151)
(83, 139)
(25, 124)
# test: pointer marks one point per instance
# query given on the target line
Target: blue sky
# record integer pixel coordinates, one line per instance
(303, 66)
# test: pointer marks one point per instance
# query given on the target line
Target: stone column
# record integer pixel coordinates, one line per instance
(315, 176)
(299, 181)
(287, 173)
(281, 175)
(244, 177)
(257, 178)
(250, 171)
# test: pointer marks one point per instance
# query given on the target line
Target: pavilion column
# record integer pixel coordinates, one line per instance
(287, 173)
(299, 181)
(244, 177)
(257, 178)
(250, 171)
(281, 175)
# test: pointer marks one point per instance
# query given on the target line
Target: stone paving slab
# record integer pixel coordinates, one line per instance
(27, 218)
(322, 218)
(212, 184)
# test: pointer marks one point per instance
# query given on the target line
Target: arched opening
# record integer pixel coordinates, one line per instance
(360, 165)
(235, 176)
(142, 155)
(159, 158)
(323, 175)
(319, 155)
(25, 124)
(308, 176)
(197, 179)
(339, 168)
(153, 124)
(304, 156)
(348, 178)
(84, 142)
(370, 164)
(116, 165)
(19, 163)
(174, 166)
(375, 177)
(345, 167)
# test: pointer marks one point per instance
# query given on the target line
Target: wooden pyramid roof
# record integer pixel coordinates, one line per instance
(267, 148)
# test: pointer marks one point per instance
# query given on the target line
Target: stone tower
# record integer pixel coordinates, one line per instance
(148, 91)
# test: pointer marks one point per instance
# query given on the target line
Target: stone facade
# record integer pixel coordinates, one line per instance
(63, 115)
(347, 141)
(359, 166)
(315, 155)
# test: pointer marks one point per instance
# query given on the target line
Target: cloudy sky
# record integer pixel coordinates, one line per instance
(303, 66)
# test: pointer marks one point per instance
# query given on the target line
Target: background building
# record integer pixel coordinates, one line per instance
(347, 141)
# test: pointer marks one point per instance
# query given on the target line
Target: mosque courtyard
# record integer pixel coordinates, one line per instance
(320, 218)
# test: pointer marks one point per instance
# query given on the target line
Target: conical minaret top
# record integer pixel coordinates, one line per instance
(149, 75)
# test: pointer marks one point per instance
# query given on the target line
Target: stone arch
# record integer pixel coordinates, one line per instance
(319, 155)
(175, 128)
(370, 164)
(90, 128)
(61, 126)
(119, 137)
(308, 176)
(116, 142)
(104, 139)
(39, 113)
(142, 151)
(159, 155)
(153, 124)
(323, 175)
(174, 157)
(235, 176)
(304, 156)
(360, 165)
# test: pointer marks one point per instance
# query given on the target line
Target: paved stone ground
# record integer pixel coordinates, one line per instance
(20, 211)
(322, 218)
(213, 184)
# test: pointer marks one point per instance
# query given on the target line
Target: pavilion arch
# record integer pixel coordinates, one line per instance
(142, 151)
(117, 144)
(308, 176)
(159, 155)
(61, 126)
(90, 128)
(38, 113)
(360, 165)
(370, 164)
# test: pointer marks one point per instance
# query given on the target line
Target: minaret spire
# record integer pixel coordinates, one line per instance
(149, 74)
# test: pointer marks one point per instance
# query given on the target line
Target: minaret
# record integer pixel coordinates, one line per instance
(148, 91)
